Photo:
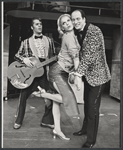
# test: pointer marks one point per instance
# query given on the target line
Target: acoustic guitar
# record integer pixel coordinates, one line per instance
(22, 76)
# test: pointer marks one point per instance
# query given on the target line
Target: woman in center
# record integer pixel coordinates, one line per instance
(68, 61)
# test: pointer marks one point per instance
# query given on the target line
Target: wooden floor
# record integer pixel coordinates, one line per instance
(31, 135)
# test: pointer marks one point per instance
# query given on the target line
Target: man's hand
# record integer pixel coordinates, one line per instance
(28, 62)
(78, 82)
(71, 77)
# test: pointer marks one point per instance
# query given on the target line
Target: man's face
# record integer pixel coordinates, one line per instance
(77, 20)
(37, 26)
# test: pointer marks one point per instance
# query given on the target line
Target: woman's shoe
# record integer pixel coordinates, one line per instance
(17, 126)
(38, 93)
(41, 90)
(55, 134)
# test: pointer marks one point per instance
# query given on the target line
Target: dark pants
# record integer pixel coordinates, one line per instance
(25, 93)
(92, 99)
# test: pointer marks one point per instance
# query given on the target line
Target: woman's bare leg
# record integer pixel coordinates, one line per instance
(57, 114)
(51, 96)
(54, 97)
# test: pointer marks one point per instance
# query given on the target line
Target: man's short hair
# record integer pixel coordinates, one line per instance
(82, 13)
(35, 18)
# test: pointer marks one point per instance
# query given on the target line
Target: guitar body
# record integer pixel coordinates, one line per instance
(22, 76)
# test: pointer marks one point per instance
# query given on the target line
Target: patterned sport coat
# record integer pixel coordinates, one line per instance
(25, 49)
(93, 63)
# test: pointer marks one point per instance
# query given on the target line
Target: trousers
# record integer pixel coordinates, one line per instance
(92, 100)
(25, 93)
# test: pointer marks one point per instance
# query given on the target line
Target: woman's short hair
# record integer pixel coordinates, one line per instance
(61, 32)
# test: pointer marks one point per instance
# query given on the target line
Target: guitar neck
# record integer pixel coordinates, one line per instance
(47, 61)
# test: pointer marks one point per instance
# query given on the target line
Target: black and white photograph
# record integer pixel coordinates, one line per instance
(61, 74)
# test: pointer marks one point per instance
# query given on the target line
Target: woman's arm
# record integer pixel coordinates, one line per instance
(76, 63)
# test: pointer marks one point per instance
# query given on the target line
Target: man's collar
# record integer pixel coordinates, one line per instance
(40, 36)
(83, 27)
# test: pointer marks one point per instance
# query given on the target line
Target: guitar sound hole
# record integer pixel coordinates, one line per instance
(19, 66)
(27, 78)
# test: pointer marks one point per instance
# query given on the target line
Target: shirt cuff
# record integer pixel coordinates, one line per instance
(77, 74)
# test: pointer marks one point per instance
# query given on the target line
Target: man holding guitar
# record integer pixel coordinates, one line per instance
(40, 47)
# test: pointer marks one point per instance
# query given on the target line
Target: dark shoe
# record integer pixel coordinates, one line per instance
(47, 125)
(87, 145)
(79, 133)
(17, 126)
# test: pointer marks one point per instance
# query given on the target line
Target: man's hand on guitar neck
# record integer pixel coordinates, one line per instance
(28, 62)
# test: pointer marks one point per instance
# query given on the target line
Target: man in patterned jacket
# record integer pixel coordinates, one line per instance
(94, 71)
(41, 47)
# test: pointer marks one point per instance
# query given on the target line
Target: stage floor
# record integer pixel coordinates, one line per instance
(31, 135)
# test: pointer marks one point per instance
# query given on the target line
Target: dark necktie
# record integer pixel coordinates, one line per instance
(79, 36)
(36, 37)
(80, 32)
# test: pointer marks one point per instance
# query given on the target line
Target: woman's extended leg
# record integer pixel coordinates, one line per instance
(56, 115)
(54, 97)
